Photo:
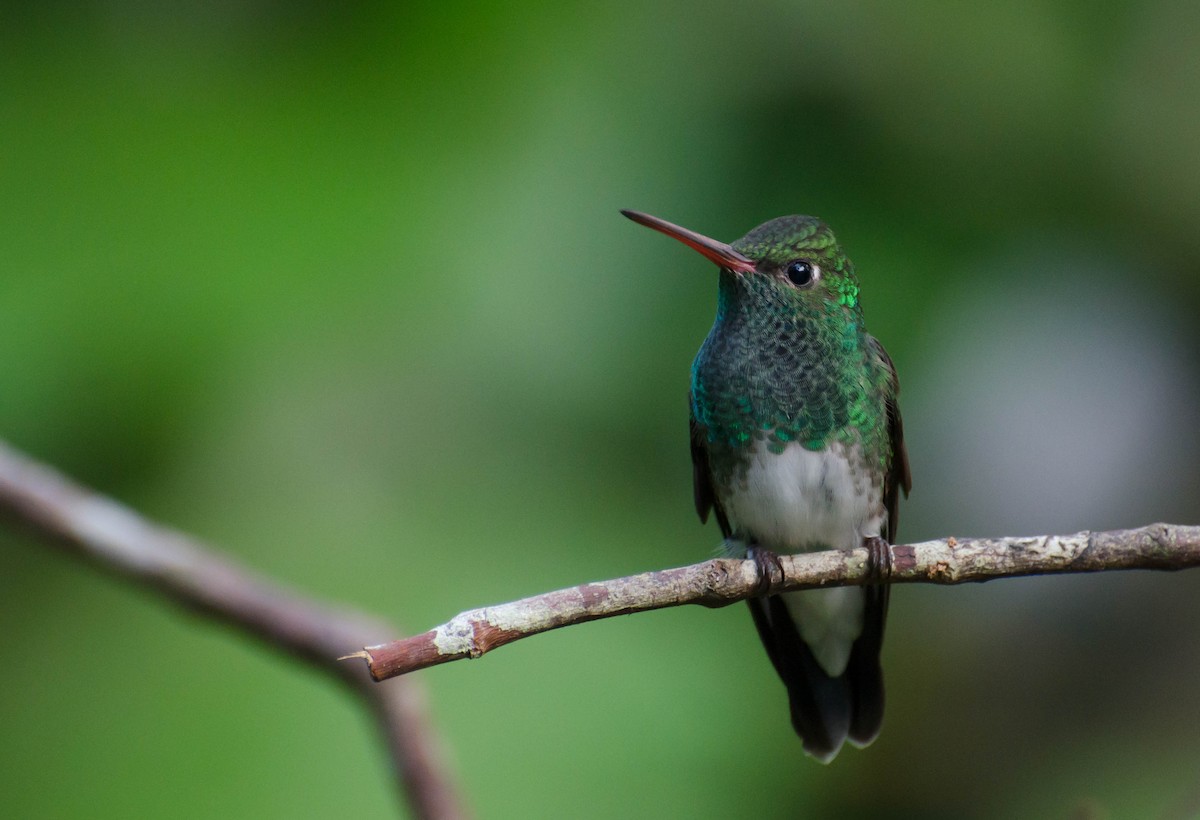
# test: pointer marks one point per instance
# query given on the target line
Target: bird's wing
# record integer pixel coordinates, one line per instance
(898, 478)
(702, 487)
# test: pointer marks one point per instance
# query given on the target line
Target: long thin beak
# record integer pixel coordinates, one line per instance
(720, 253)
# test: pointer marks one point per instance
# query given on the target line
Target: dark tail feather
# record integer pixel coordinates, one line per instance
(864, 672)
(825, 710)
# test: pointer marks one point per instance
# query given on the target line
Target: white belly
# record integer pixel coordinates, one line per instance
(802, 500)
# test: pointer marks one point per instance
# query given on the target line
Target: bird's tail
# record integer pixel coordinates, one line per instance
(827, 710)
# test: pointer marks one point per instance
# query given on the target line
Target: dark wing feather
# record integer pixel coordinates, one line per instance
(702, 488)
(898, 478)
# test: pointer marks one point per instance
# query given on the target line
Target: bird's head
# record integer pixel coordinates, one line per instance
(794, 259)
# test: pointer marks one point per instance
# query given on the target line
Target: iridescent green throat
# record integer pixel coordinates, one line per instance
(784, 366)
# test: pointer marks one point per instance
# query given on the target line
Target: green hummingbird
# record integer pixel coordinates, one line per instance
(797, 445)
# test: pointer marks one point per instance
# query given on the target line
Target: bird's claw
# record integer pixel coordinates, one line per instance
(770, 569)
(879, 560)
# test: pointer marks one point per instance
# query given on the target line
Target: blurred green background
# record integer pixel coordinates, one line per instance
(343, 289)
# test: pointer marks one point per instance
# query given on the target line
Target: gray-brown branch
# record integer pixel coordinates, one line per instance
(723, 581)
(181, 569)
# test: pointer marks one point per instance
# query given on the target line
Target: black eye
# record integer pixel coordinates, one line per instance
(800, 273)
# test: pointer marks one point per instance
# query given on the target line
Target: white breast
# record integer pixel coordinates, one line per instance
(800, 500)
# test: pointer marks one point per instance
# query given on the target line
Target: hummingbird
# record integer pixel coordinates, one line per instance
(797, 445)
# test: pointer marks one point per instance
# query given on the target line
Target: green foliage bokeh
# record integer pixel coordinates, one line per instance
(344, 290)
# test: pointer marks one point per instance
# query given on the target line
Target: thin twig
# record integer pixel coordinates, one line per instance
(723, 581)
(183, 570)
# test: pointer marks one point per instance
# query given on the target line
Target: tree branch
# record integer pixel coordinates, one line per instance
(183, 570)
(723, 581)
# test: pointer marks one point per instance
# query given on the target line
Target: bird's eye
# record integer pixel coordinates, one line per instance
(801, 273)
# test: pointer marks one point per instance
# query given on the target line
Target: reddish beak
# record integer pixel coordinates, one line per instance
(718, 252)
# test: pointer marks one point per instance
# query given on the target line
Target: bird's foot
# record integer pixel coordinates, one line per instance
(879, 560)
(770, 569)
